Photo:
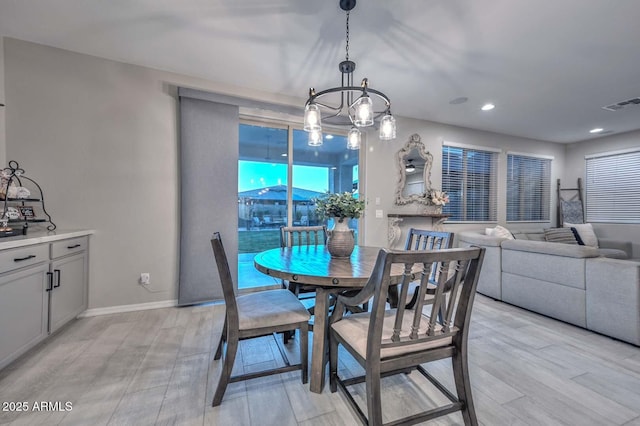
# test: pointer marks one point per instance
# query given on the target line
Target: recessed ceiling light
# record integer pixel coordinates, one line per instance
(284, 154)
(458, 101)
(329, 137)
(596, 130)
(487, 107)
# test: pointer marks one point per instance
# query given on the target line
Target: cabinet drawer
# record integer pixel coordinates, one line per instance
(65, 247)
(24, 256)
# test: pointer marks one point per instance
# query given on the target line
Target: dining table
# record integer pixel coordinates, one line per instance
(314, 266)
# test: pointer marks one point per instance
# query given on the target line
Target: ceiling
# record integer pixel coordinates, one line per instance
(548, 66)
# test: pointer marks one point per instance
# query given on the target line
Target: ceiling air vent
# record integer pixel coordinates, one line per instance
(620, 105)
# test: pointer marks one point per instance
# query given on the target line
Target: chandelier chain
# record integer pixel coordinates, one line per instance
(347, 104)
(347, 57)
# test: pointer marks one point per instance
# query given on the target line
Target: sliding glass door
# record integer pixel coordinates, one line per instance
(279, 175)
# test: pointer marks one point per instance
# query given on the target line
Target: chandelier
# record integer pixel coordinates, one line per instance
(348, 105)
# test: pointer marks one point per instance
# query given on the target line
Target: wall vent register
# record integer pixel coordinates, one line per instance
(622, 104)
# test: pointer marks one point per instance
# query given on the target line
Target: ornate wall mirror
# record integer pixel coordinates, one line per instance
(414, 170)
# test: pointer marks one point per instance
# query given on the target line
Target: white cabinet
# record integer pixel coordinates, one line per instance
(69, 290)
(42, 287)
(24, 302)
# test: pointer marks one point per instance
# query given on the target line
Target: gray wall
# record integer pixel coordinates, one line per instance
(102, 138)
(3, 147)
(382, 174)
(575, 167)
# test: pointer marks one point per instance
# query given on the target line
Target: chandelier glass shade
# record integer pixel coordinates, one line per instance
(315, 138)
(348, 105)
(353, 138)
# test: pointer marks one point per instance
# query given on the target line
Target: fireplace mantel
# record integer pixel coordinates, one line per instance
(393, 220)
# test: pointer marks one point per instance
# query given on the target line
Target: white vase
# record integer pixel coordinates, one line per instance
(341, 240)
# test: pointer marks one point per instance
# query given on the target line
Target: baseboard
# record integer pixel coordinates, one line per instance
(128, 308)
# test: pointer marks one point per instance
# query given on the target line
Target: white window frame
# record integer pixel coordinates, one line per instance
(612, 187)
(492, 208)
(542, 190)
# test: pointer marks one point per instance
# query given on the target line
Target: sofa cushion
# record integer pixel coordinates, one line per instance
(613, 298)
(545, 264)
(585, 230)
(501, 231)
(529, 234)
(563, 250)
(547, 298)
(613, 253)
(560, 235)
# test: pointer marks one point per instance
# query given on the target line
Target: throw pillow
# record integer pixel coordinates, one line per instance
(575, 234)
(560, 235)
(502, 232)
(585, 230)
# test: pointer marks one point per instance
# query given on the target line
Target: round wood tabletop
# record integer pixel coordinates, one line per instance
(313, 265)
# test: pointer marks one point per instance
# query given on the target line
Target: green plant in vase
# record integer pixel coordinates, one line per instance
(340, 206)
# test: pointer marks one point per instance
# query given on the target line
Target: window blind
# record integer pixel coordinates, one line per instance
(469, 177)
(613, 188)
(528, 188)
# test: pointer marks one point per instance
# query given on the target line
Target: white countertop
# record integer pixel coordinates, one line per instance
(37, 237)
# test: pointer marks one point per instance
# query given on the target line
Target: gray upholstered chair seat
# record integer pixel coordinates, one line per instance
(354, 330)
(270, 308)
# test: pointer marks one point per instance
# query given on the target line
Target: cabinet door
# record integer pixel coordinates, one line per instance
(23, 311)
(69, 294)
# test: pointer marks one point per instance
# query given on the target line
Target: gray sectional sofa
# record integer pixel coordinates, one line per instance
(572, 283)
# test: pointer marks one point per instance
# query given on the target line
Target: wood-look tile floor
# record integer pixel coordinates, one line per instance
(156, 367)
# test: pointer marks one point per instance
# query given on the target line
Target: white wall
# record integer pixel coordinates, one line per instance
(382, 173)
(575, 168)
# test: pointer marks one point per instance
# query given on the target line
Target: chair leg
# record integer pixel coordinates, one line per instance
(304, 352)
(333, 363)
(374, 400)
(463, 387)
(223, 338)
(293, 288)
(227, 367)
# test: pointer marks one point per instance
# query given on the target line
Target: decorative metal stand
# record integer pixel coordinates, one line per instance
(25, 215)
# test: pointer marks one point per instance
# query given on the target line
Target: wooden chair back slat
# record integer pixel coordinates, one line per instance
(303, 235)
(426, 239)
(422, 290)
(407, 277)
(457, 278)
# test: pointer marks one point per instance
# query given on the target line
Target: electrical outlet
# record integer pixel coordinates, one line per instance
(145, 278)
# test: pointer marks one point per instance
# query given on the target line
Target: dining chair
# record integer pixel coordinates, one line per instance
(255, 315)
(302, 236)
(388, 341)
(426, 239)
